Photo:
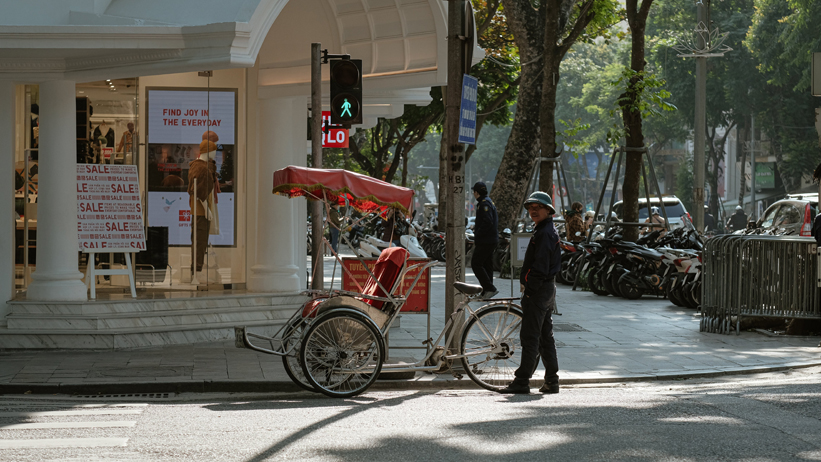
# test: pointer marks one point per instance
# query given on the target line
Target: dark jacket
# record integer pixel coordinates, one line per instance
(485, 231)
(816, 229)
(543, 259)
(738, 220)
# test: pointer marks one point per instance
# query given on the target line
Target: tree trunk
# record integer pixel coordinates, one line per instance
(522, 147)
(634, 136)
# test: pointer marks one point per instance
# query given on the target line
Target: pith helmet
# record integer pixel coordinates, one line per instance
(540, 197)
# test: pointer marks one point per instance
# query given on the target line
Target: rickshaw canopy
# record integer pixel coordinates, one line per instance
(342, 187)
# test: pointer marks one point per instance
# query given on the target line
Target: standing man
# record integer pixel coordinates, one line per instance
(709, 220)
(335, 223)
(738, 220)
(485, 239)
(542, 262)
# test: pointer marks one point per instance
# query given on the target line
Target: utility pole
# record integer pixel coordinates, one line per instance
(455, 213)
(700, 133)
(317, 270)
(754, 212)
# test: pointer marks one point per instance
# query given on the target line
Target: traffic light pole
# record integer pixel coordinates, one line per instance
(317, 268)
(455, 213)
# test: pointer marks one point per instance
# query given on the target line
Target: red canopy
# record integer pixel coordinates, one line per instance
(364, 193)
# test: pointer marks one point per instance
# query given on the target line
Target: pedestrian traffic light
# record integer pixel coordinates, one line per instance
(346, 91)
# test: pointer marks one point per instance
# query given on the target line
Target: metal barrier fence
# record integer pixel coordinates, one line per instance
(770, 276)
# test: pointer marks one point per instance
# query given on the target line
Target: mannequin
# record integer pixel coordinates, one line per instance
(104, 130)
(203, 206)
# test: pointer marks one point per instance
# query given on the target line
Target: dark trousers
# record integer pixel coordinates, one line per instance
(482, 265)
(203, 226)
(335, 239)
(537, 334)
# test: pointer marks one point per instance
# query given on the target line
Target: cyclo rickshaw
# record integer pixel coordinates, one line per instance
(335, 343)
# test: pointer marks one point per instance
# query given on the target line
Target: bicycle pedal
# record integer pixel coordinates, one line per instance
(427, 342)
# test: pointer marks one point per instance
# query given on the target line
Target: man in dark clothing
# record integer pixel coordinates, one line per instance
(709, 221)
(816, 229)
(738, 220)
(542, 262)
(485, 239)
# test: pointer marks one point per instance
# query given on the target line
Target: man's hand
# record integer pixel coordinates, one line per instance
(522, 288)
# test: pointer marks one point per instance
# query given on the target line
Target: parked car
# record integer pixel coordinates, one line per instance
(672, 205)
(790, 216)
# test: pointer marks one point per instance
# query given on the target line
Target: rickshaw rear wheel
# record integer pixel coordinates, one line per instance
(342, 353)
(491, 345)
(291, 360)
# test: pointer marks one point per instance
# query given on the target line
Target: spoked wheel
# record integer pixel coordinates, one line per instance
(342, 353)
(490, 343)
(290, 361)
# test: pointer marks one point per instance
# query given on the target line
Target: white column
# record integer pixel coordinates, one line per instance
(280, 138)
(56, 277)
(7, 224)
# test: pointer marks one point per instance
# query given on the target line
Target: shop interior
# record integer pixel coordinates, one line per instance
(107, 133)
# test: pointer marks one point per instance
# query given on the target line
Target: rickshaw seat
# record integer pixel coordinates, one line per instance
(388, 267)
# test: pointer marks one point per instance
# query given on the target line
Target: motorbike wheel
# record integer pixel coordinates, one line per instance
(628, 288)
(672, 295)
(689, 296)
(605, 282)
(697, 293)
(614, 282)
(594, 280)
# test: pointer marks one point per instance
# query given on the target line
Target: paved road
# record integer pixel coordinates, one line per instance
(763, 418)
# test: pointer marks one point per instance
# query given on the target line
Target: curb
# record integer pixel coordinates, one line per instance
(264, 386)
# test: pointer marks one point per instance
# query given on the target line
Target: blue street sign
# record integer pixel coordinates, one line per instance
(467, 113)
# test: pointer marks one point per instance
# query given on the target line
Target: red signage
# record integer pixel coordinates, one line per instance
(418, 299)
(334, 136)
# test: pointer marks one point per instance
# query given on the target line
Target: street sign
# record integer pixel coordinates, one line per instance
(467, 112)
(333, 136)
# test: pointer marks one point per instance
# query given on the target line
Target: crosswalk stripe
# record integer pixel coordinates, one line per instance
(81, 412)
(71, 405)
(63, 443)
(51, 425)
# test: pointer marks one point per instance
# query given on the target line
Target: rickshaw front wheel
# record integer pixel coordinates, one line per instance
(342, 353)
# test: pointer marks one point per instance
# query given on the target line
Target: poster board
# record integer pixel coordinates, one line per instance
(109, 211)
(518, 246)
(418, 300)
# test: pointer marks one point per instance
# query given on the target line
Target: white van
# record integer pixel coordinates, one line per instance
(675, 210)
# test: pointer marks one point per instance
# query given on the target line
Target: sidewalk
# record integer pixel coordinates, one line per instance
(599, 339)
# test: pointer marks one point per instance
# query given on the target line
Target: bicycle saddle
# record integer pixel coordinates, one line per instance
(468, 289)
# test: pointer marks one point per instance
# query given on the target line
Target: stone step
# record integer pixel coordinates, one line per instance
(194, 317)
(147, 305)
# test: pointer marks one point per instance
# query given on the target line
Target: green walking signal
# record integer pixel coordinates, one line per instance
(346, 92)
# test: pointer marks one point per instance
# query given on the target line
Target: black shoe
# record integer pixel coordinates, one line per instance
(516, 388)
(550, 388)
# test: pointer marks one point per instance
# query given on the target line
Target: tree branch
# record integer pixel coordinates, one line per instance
(585, 16)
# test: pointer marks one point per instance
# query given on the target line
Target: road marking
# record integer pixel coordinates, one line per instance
(63, 443)
(71, 405)
(49, 425)
(82, 412)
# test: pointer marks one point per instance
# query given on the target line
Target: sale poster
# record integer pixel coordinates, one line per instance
(109, 212)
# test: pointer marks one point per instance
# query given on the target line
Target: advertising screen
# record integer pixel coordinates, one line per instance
(178, 121)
